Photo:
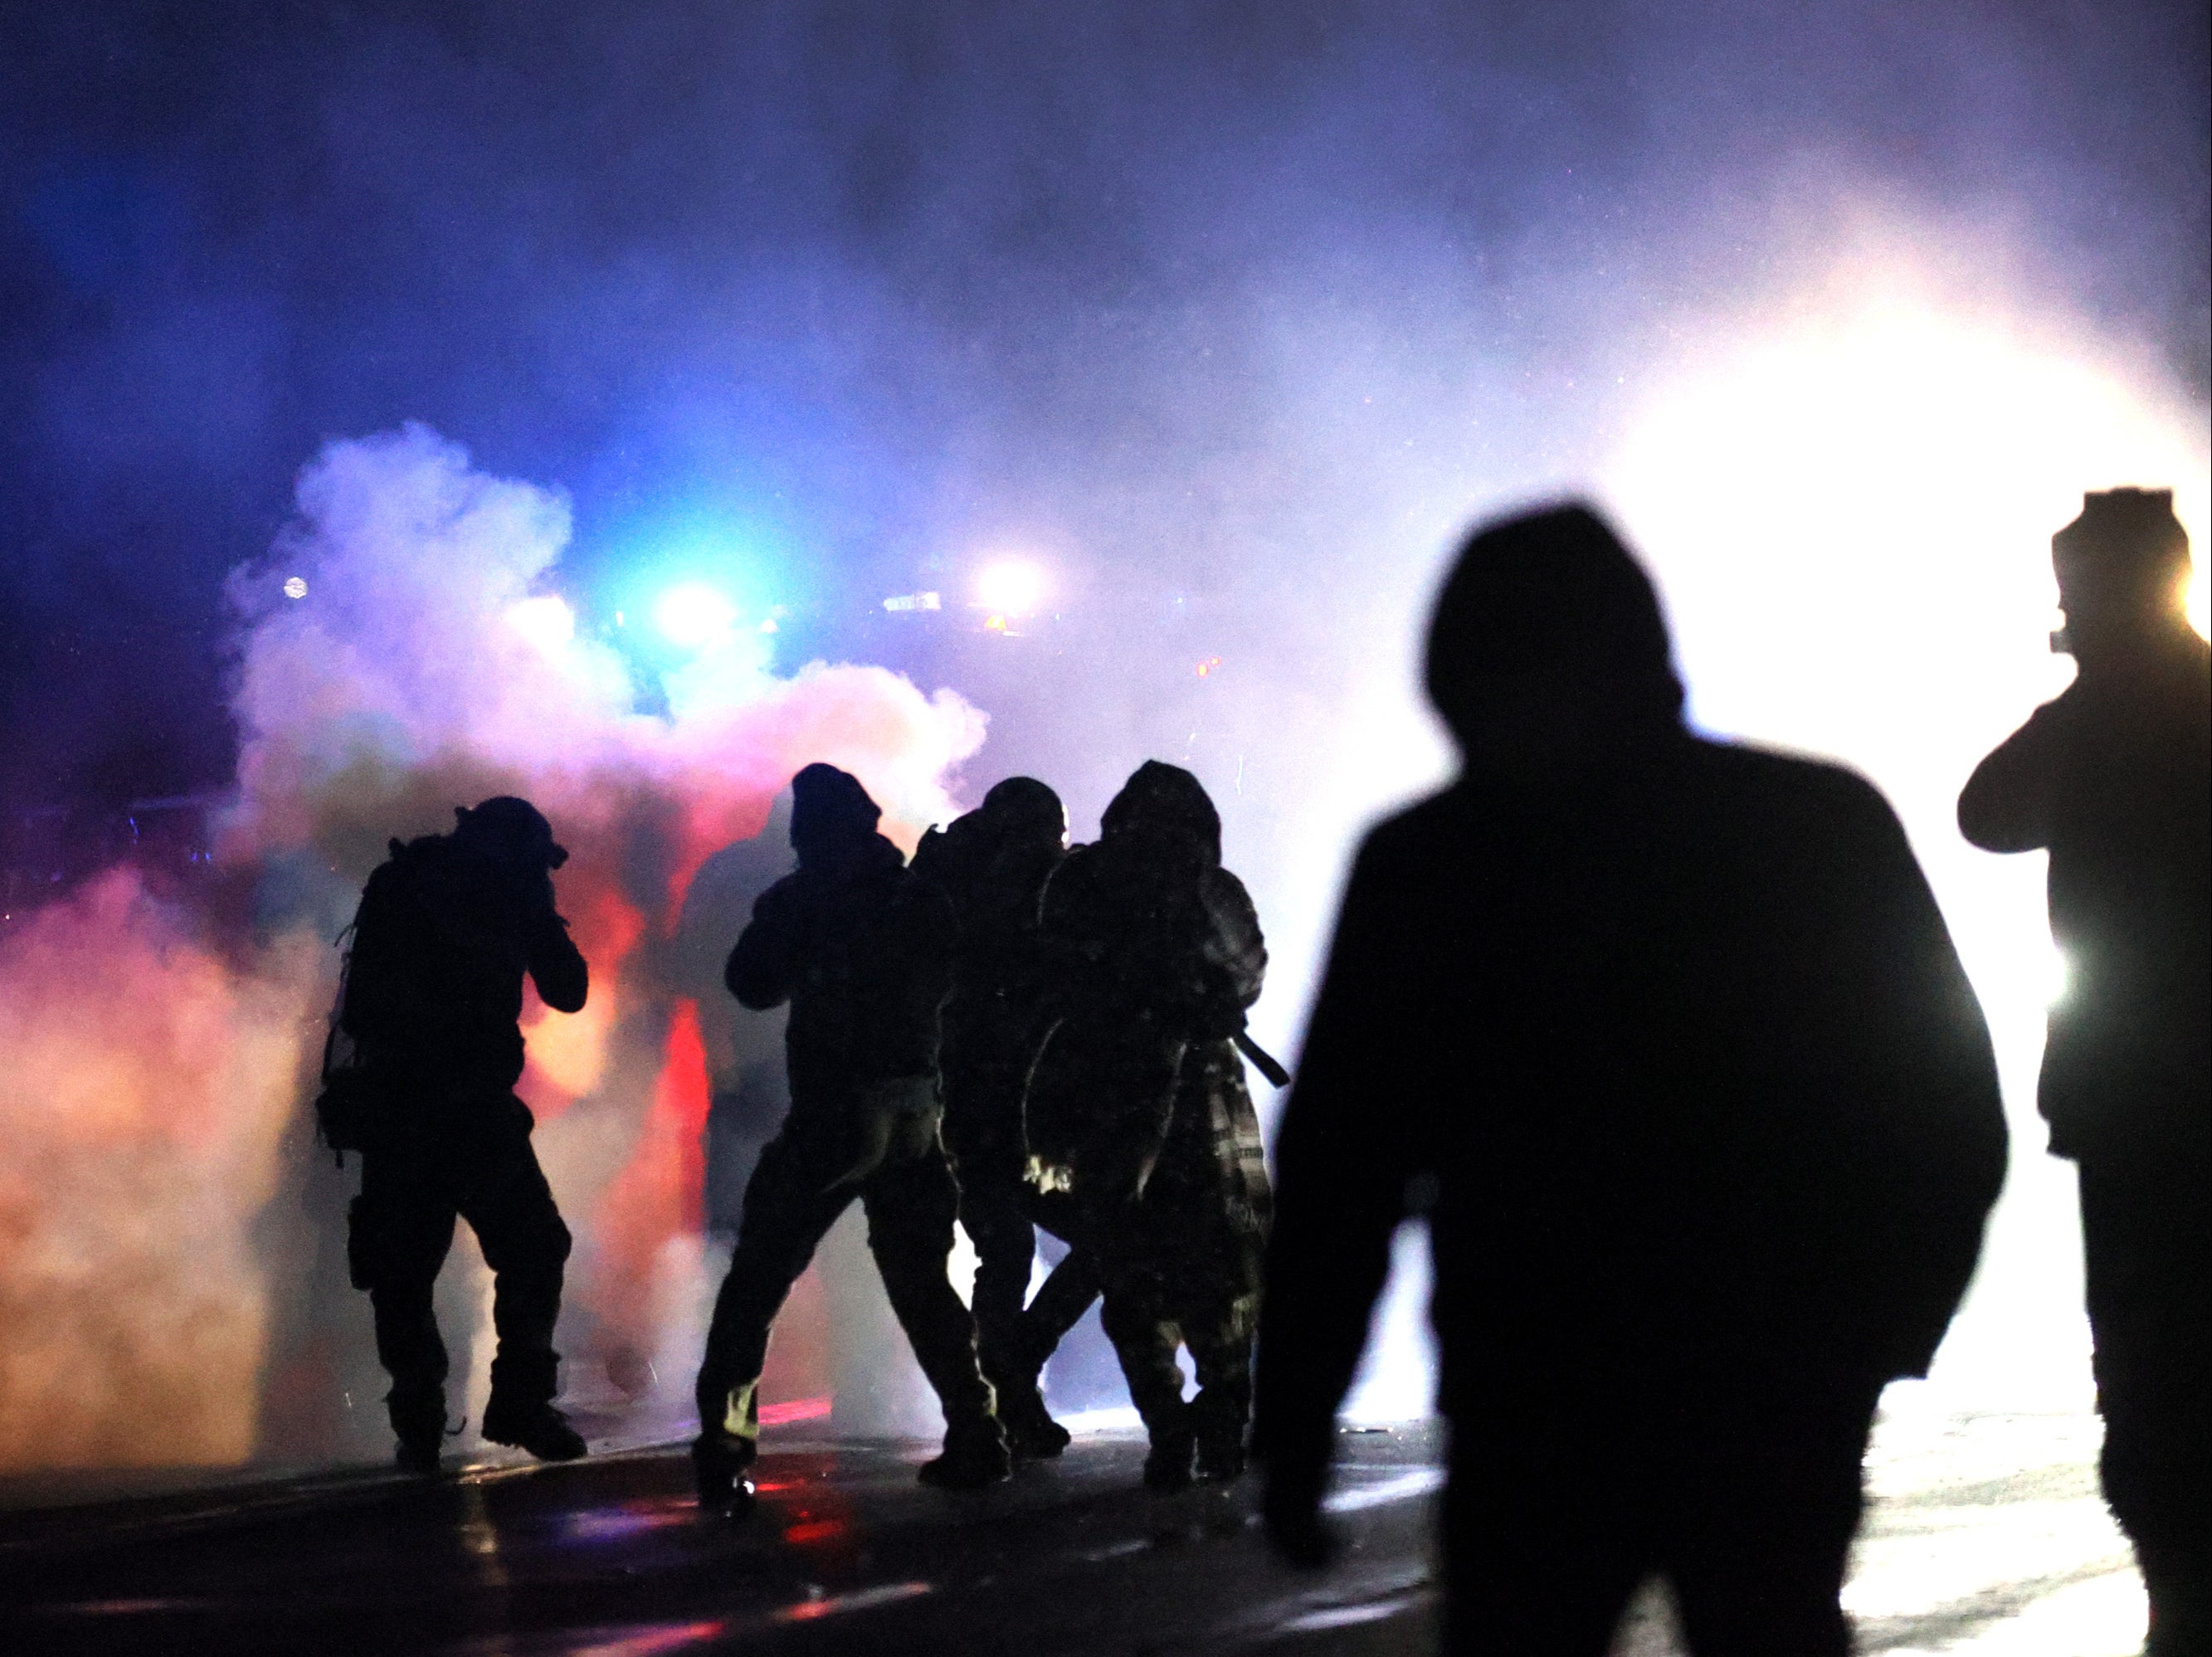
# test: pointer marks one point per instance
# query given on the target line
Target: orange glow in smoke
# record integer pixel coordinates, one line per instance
(155, 1066)
(657, 1196)
(146, 1084)
(567, 1052)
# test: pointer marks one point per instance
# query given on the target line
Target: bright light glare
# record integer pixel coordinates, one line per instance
(1011, 587)
(1848, 506)
(2056, 977)
(1850, 516)
(546, 621)
(693, 615)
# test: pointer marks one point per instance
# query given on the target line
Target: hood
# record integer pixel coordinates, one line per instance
(1164, 801)
(1551, 593)
(830, 814)
(1021, 810)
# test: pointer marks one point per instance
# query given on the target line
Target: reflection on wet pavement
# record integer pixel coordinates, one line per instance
(1985, 1536)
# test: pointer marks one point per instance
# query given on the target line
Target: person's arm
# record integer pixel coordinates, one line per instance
(557, 965)
(764, 965)
(2006, 805)
(1343, 1161)
(1933, 1142)
(1115, 1163)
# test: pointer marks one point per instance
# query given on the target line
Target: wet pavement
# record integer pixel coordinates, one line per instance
(1986, 1536)
(608, 1557)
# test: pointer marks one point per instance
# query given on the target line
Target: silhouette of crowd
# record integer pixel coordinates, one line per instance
(1664, 1036)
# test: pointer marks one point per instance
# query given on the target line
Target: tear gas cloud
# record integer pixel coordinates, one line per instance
(155, 1077)
(1218, 325)
(145, 1084)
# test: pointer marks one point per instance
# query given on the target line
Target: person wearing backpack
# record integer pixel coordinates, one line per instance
(1142, 1130)
(426, 1053)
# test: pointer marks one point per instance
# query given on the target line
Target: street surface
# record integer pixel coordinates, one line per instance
(1986, 1537)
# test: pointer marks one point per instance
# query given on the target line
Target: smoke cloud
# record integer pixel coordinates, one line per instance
(145, 1084)
(1228, 318)
(402, 652)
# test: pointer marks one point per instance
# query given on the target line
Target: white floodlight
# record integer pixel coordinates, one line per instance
(693, 615)
(1012, 586)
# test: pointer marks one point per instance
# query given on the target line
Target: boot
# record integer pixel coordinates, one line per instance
(419, 1423)
(974, 1456)
(537, 1427)
(1218, 1415)
(419, 1456)
(1012, 1364)
(1031, 1433)
(1167, 1468)
(718, 1465)
(1221, 1456)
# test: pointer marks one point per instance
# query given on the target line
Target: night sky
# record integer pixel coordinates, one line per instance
(823, 299)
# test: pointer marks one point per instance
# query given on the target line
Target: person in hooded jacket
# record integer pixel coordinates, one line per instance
(2111, 780)
(992, 864)
(1672, 1034)
(445, 930)
(862, 951)
(1146, 1143)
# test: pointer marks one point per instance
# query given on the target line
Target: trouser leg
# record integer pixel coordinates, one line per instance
(1756, 1526)
(1219, 1335)
(1541, 1549)
(1137, 1320)
(787, 1215)
(1006, 1251)
(1059, 1303)
(399, 1231)
(518, 1226)
(911, 1203)
(982, 1134)
(2145, 1239)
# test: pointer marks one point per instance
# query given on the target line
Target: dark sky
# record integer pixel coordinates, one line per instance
(856, 283)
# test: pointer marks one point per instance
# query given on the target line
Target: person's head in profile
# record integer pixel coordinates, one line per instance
(514, 843)
(2122, 565)
(1548, 657)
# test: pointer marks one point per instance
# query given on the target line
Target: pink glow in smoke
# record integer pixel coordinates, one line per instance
(145, 1084)
(147, 1080)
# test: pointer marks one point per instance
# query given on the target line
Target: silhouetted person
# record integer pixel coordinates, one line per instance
(1140, 1116)
(1672, 1030)
(445, 932)
(863, 952)
(750, 1093)
(992, 864)
(2114, 779)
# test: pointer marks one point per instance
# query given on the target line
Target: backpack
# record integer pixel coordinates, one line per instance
(352, 1106)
